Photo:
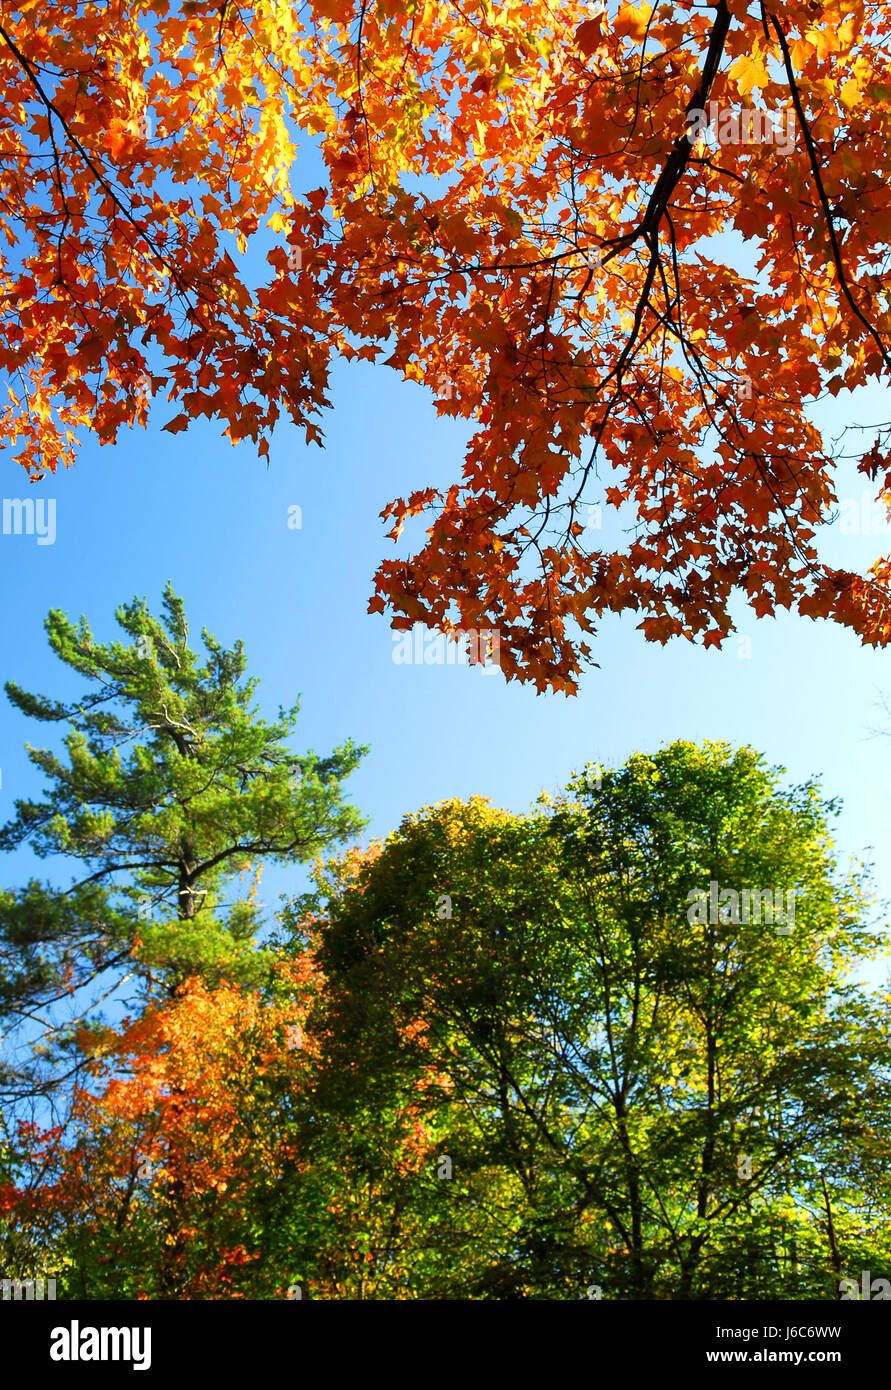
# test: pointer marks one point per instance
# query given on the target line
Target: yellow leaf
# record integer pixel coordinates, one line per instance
(749, 70)
(632, 20)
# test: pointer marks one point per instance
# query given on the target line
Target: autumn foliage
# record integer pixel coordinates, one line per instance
(197, 1161)
(169, 1143)
(516, 211)
(500, 1058)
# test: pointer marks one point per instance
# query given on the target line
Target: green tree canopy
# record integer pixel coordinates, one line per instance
(550, 1056)
(636, 1094)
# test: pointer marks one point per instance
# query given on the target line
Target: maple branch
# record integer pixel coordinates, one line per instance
(674, 167)
(821, 191)
(53, 110)
(361, 99)
(670, 176)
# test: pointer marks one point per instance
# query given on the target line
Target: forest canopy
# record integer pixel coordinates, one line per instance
(499, 1056)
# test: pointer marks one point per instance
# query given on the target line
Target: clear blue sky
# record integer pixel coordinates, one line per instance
(214, 519)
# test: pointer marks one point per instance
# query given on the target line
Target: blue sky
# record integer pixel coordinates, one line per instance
(214, 519)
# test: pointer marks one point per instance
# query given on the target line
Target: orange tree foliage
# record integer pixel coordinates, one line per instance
(516, 202)
(150, 1198)
(202, 1163)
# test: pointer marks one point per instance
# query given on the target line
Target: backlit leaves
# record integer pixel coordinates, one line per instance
(510, 205)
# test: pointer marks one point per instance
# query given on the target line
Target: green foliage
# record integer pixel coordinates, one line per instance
(614, 1069)
(533, 1063)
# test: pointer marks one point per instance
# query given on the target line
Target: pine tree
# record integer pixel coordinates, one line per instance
(173, 787)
